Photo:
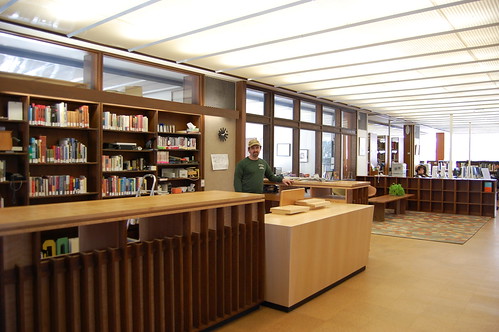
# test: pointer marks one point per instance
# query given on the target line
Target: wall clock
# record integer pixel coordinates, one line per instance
(223, 134)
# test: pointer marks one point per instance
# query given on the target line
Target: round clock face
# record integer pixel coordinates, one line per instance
(223, 134)
(407, 130)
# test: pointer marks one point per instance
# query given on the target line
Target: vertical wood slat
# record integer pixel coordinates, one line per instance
(243, 279)
(72, 296)
(196, 281)
(148, 291)
(159, 285)
(57, 309)
(187, 248)
(261, 251)
(222, 257)
(213, 290)
(137, 284)
(178, 281)
(114, 283)
(20, 302)
(170, 317)
(203, 268)
(235, 263)
(230, 262)
(99, 291)
(86, 304)
(126, 297)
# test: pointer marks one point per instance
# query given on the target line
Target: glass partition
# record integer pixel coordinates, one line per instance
(283, 108)
(307, 153)
(349, 153)
(255, 102)
(283, 149)
(137, 79)
(348, 120)
(329, 170)
(57, 64)
(328, 116)
(307, 112)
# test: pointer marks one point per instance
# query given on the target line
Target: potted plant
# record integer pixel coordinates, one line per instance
(396, 189)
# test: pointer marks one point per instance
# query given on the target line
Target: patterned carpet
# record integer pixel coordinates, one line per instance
(441, 227)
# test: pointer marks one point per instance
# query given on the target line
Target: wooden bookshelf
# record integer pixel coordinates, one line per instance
(459, 196)
(42, 130)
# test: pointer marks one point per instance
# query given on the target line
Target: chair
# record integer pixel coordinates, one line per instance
(371, 191)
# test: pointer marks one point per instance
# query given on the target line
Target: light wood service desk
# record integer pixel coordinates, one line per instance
(199, 261)
(308, 253)
(355, 191)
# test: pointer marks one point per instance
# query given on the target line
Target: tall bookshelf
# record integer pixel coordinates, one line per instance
(45, 177)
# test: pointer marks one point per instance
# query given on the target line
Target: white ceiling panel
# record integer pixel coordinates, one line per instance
(416, 61)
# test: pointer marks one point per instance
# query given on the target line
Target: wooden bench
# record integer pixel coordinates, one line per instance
(380, 202)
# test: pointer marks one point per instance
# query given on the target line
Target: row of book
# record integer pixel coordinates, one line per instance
(117, 163)
(53, 185)
(58, 115)
(174, 142)
(122, 186)
(60, 246)
(166, 128)
(163, 157)
(67, 150)
(114, 121)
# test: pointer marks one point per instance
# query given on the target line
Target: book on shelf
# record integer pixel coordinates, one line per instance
(3, 170)
(56, 185)
(114, 121)
(15, 110)
(58, 115)
(59, 246)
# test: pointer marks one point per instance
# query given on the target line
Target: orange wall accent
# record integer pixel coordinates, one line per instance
(440, 147)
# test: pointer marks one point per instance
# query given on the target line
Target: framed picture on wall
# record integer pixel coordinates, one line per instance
(303, 156)
(283, 149)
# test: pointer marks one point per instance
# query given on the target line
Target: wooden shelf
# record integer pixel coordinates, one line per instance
(460, 196)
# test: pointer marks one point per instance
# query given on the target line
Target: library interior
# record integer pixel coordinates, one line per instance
(121, 130)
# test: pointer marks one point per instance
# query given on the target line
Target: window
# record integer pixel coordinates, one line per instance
(328, 161)
(328, 116)
(283, 108)
(148, 81)
(348, 120)
(255, 102)
(349, 153)
(307, 112)
(24, 56)
(307, 153)
(254, 130)
(283, 149)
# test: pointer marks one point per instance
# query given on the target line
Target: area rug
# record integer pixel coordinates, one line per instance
(440, 227)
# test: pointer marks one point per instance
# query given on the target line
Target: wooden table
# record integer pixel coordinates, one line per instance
(356, 192)
(380, 203)
(308, 253)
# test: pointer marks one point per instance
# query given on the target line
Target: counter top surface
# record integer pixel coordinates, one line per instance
(326, 184)
(22, 219)
(298, 219)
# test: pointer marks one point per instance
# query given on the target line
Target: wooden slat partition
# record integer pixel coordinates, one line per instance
(200, 270)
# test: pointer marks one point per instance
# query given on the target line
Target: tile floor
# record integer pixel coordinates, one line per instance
(409, 285)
